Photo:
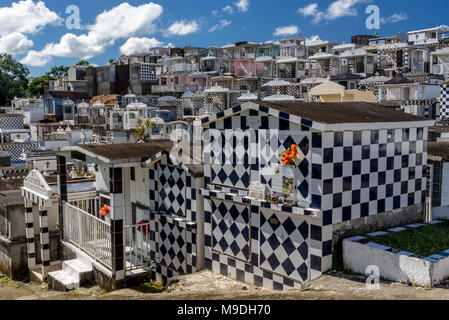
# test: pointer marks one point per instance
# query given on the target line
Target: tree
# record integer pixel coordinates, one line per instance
(83, 63)
(37, 85)
(111, 61)
(58, 72)
(13, 79)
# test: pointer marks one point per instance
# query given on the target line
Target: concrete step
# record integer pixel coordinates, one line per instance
(78, 270)
(61, 281)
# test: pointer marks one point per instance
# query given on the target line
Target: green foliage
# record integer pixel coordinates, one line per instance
(13, 79)
(83, 63)
(111, 61)
(37, 85)
(58, 72)
(423, 241)
(150, 287)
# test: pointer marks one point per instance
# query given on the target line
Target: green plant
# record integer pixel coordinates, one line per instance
(422, 241)
(151, 287)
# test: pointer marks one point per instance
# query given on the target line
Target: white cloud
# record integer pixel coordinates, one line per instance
(170, 45)
(395, 17)
(26, 17)
(223, 23)
(215, 13)
(337, 9)
(120, 22)
(286, 31)
(36, 59)
(310, 10)
(228, 10)
(182, 28)
(313, 39)
(242, 5)
(138, 45)
(15, 43)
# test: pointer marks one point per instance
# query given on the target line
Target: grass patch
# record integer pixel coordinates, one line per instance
(423, 241)
(150, 287)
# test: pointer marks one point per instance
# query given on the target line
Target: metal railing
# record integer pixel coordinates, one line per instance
(90, 205)
(89, 233)
(137, 246)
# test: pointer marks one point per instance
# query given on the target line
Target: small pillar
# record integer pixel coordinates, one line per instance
(117, 213)
(29, 231)
(45, 242)
(62, 189)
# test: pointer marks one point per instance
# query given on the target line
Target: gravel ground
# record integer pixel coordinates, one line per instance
(211, 286)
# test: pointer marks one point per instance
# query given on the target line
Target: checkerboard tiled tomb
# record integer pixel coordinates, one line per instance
(173, 219)
(345, 172)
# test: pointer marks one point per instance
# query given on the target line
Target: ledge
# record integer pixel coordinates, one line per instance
(313, 213)
(176, 220)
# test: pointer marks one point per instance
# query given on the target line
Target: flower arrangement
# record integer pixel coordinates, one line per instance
(290, 155)
(105, 211)
(273, 198)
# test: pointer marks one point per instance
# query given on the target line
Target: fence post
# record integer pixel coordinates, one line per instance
(95, 239)
(80, 228)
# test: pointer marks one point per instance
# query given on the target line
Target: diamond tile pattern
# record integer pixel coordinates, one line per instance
(172, 247)
(230, 159)
(231, 229)
(172, 189)
(283, 245)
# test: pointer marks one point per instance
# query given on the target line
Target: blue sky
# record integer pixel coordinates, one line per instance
(35, 31)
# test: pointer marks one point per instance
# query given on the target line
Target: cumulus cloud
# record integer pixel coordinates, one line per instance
(138, 45)
(122, 21)
(36, 59)
(286, 31)
(26, 17)
(395, 17)
(15, 43)
(222, 24)
(242, 5)
(21, 19)
(310, 10)
(337, 9)
(183, 27)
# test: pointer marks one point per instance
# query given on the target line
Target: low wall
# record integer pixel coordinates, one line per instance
(381, 221)
(441, 213)
(14, 256)
(393, 264)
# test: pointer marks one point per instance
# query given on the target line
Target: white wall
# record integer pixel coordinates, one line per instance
(102, 178)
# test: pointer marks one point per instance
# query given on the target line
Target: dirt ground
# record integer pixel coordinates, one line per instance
(207, 285)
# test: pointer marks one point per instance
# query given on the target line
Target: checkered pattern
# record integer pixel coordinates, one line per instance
(148, 73)
(173, 241)
(444, 102)
(11, 122)
(172, 189)
(45, 242)
(370, 172)
(172, 247)
(318, 245)
(283, 245)
(29, 223)
(231, 229)
(16, 150)
(230, 159)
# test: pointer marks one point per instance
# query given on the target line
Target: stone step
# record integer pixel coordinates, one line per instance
(78, 270)
(61, 281)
